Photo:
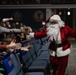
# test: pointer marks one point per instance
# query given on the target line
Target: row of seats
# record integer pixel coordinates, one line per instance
(33, 62)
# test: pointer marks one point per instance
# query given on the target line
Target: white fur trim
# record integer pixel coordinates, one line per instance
(58, 41)
(31, 35)
(52, 53)
(55, 17)
(61, 53)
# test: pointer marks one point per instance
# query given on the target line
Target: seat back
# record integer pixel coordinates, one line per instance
(9, 66)
(17, 63)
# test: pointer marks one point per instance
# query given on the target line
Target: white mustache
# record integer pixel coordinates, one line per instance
(52, 26)
(52, 32)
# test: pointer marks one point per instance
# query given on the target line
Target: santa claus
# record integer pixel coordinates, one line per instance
(57, 32)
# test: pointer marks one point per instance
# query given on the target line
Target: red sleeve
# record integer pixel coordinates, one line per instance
(69, 31)
(40, 34)
(2, 48)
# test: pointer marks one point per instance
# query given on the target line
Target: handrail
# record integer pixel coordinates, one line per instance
(37, 6)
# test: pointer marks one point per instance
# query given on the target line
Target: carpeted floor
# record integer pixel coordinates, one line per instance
(71, 68)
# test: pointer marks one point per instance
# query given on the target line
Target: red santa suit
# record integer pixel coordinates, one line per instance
(59, 49)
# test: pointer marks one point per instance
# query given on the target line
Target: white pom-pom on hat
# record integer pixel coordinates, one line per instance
(43, 23)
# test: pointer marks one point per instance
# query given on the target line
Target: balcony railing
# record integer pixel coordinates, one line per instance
(23, 2)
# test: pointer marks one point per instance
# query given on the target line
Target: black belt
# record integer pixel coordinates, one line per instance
(62, 44)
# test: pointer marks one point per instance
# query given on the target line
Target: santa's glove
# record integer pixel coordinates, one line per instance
(30, 36)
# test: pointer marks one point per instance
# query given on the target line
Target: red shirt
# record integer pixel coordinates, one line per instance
(2, 48)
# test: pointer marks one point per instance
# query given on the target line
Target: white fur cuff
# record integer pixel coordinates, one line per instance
(31, 35)
(52, 53)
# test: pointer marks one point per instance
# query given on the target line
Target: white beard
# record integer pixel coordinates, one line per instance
(52, 32)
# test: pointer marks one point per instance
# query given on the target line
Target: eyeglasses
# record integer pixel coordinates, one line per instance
(53, 22)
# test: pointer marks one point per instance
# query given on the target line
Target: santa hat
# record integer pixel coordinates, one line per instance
(55, 17)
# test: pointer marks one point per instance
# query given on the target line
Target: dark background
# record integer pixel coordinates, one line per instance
(25, 16)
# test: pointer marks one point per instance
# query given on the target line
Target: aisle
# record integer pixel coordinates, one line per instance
(71, 69)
